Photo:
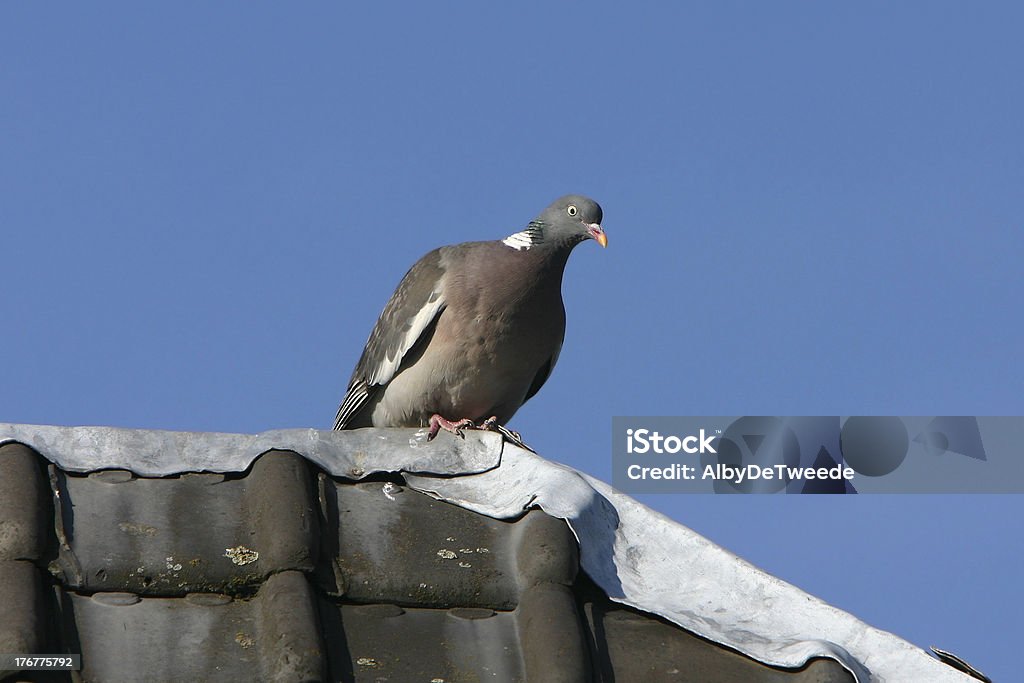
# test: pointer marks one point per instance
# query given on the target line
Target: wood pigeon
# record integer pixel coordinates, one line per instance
(473, 330)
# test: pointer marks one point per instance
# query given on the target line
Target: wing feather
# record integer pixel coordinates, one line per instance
(412, 309)
(542, 375)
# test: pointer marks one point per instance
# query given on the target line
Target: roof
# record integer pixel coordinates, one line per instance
(304, 555)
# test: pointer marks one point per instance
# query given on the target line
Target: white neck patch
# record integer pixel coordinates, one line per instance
(519, 241)
(524, 239)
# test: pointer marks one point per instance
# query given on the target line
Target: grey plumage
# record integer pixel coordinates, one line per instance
(473, 329)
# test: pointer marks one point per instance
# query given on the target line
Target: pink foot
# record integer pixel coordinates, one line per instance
(491, 425)
(437, 423)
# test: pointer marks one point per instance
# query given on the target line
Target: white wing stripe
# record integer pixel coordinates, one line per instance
(383, 373)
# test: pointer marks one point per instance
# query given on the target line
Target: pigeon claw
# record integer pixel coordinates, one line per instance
(491, 425)
(437, 423)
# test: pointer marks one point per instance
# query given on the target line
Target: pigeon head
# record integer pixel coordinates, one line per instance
(568, 221)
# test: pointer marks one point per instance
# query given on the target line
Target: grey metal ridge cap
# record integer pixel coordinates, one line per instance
(352, 454)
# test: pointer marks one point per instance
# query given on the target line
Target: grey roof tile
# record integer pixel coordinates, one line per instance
(192, 533)
(25, 506)
(273, 636)
(632, 646)
(23, 609)
(461, 558)
(390, 643)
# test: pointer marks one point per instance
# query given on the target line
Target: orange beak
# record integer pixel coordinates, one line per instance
(597, 232)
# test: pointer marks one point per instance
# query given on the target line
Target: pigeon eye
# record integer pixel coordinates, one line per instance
(572, 210)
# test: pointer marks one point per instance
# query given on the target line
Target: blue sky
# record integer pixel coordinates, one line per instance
(812, 208)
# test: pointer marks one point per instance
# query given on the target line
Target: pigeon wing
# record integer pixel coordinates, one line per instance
(410, 313)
